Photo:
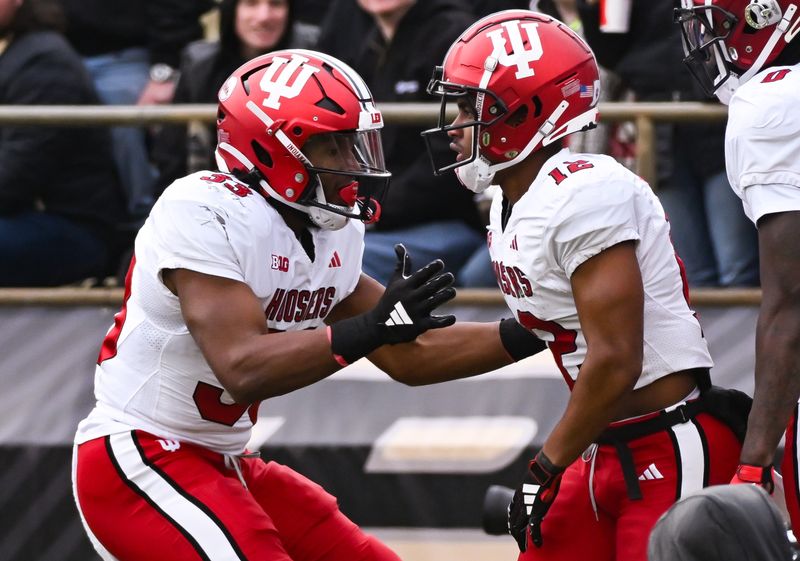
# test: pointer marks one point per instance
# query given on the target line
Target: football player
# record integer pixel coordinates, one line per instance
(745, 52)
(246, 284)
(581, 250)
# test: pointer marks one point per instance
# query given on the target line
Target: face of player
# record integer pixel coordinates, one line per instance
(461, 138)
(260, 24)
(333, 152)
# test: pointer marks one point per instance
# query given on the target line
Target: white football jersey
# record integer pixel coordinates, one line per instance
(762, 142)
(579, 205)
(151, 374)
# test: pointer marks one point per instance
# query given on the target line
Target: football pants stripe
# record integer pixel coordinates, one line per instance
(194, 520)
(99, 547)
(793, 450)
(691, 457)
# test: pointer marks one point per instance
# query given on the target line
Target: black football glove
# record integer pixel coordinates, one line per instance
(402, 313)
(532, 500)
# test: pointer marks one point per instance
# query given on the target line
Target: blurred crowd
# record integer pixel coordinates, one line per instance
(72, 198)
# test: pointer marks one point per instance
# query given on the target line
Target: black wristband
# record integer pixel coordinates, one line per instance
(354, 338)
(518, 341)
(549, 467)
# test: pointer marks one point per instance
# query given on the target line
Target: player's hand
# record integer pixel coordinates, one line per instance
(533, 499)
(405, 309)
(755, 475)
(401, 315)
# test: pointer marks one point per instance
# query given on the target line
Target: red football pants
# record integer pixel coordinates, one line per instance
(789, 471)
(141, 497)
(668, 465)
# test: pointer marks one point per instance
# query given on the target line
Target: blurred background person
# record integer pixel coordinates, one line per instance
(247, 28)
(132, 50)
(59, 196)
(394, 44)
(308, 16)
(709, 229)
(486, 7)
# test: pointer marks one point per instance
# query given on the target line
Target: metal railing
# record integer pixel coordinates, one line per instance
(472, 297)
(421, 114)
(644, 115)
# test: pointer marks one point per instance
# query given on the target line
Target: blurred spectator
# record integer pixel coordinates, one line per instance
(596, 140)
(394, 44)
(308, 16)
(131, 49)
(344, 14)
(709, 229)
(486, 7)
(58, 190)
(247, 28)
(722, 523)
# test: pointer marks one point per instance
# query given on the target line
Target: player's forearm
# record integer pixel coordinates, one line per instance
(777, 382)
(462, 350)
(266, 366)
(593, 404)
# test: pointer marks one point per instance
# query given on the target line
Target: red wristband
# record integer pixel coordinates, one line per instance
(338, 358)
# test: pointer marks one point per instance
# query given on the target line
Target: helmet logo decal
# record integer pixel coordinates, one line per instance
(275, 80)
(519, 56)
(227, 88)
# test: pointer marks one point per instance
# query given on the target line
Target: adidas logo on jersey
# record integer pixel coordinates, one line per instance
(335, 260)
(399, 316)
(651, 473)
(514, 244)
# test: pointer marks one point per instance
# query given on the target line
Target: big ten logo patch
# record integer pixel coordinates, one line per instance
(280, 263)
(285, 78)
(519, 55)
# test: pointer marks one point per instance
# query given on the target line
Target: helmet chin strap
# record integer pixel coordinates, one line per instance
(475, 175)
(326, 219)
(320, 217)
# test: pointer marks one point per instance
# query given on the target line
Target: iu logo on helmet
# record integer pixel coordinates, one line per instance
(519, 56)
(275, 81)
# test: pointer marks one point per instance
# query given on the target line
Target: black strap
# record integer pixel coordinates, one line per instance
(628, 470)
(620, 436)
(664, 420)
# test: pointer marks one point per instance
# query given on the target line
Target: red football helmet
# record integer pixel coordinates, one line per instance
(530, 80)
(277, 104)
(727, 42)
